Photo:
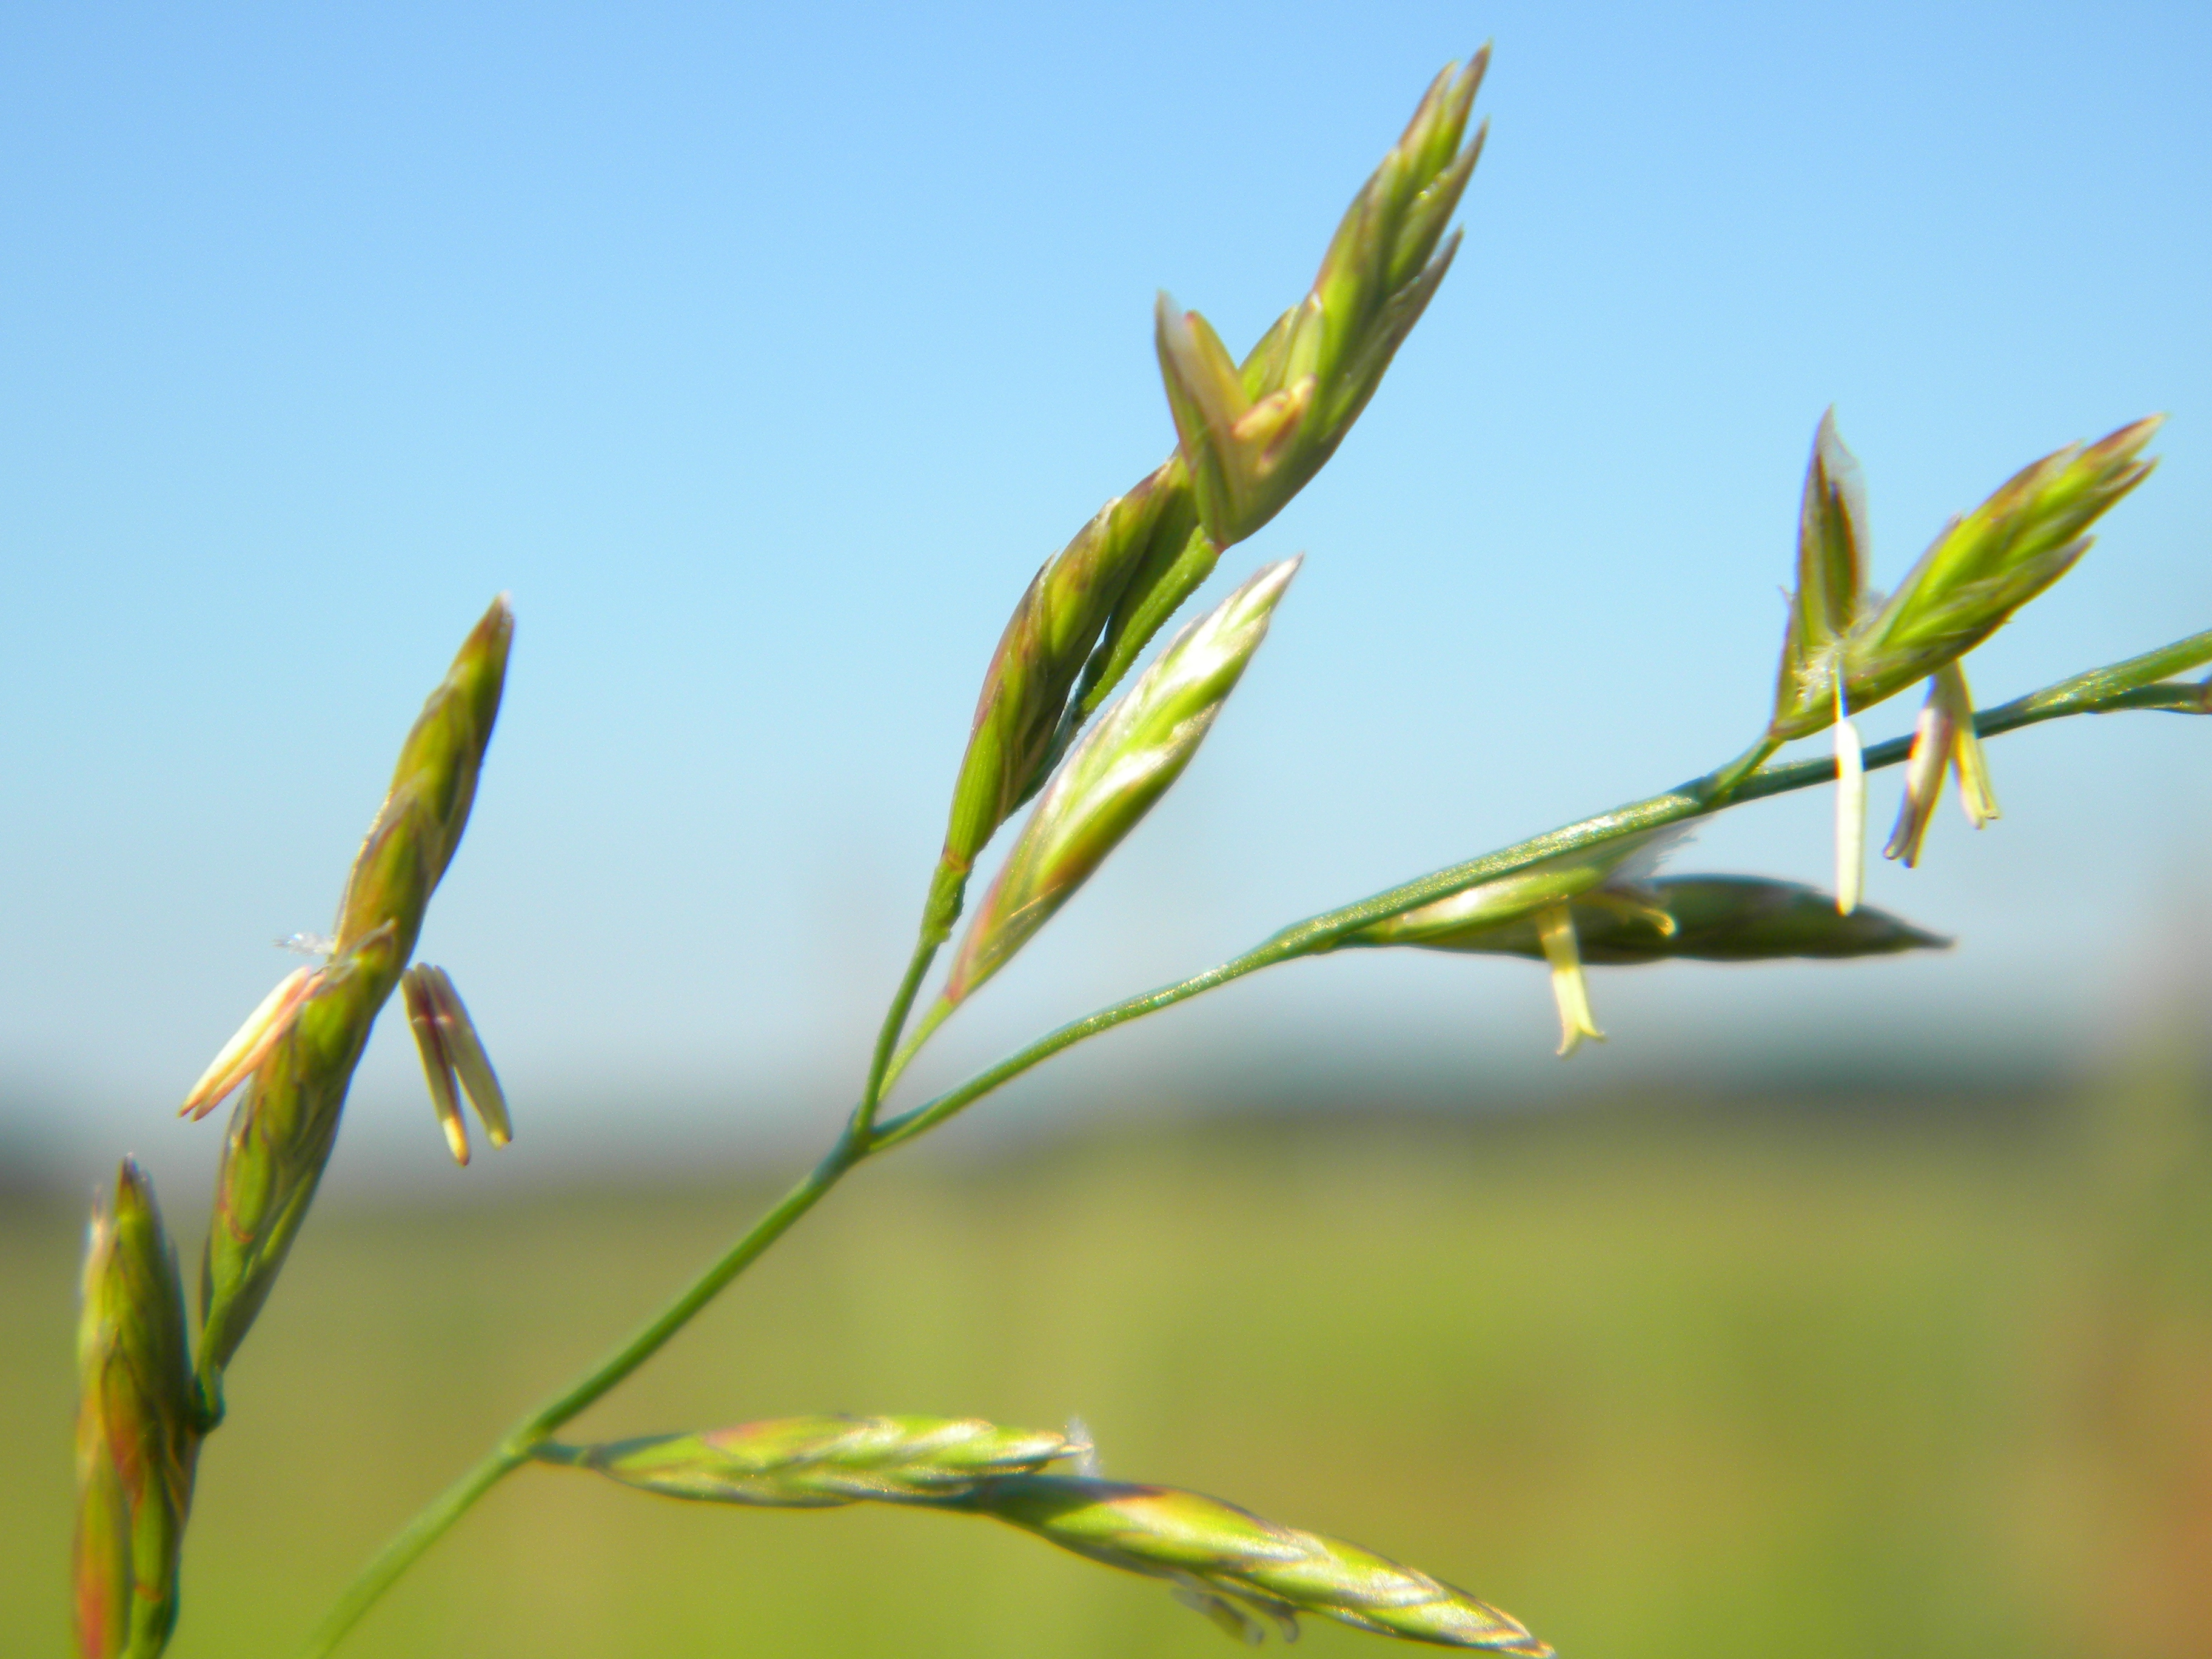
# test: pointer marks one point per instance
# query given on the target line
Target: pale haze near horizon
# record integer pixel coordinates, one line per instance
(762, 356)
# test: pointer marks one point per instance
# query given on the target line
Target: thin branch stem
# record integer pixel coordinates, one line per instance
(402, 1552)
(2105, 691)
(882, 1067)
(924, 1030)
(1725, 782)
(523, 1440)
(2123, 686)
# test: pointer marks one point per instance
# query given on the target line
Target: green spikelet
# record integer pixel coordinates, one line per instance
(137, 1432)
(1983, 567)
(1254, 432)
(818, 1462)
(1095, 605)
(1988, 564)
(1706, 918)
(1114, 774)
(1221, 1559)
(1224, 1561)
(1481, 910)
(1832, 552)
(1020, 712)
(280, 1135)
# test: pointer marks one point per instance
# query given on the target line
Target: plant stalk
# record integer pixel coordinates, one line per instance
(938, 1013)
(515, 1449)
(2121, 686)
(882, 1067)
(2102, 691)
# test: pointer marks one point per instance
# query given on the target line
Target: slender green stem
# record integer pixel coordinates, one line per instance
(924, 1030)
(1724, 783)
(2123, 686)
(679, 1313)
(523, 1440)
(2106, 690)
(400, 1553)
(931, 1113)
(883, 1068)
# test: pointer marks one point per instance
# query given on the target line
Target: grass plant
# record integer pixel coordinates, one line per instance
(1250, 433)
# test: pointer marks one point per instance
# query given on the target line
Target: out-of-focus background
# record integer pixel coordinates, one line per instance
(1919, 1376)
(761, 354)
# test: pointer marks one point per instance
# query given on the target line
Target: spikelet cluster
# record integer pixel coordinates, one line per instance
(1096, 605)
(137, 1428)
(1847, 649)
(1707, 919)
(1114, 774)
(1845, 642)
(1606, 905)
(1990, 561)
(281, 1134)
(819, 1462)
(1230, 1564)
(1227, 1563)
(1254, 432)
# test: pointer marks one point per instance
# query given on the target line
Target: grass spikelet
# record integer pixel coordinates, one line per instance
(137, 1429)
(1094, 606)
(1222, 1560)
(1832, 554)
(1112, 777)
(818, 1462)
(1990, 561)
(281, 1134)
(1709, 919)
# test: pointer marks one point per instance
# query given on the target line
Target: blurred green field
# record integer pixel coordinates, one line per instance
(1665, 1381)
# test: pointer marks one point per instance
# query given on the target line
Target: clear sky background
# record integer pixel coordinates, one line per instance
(763, 352)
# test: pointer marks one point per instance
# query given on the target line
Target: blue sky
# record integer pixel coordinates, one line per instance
(763, 352)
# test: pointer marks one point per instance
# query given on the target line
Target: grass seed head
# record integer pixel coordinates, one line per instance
(1709, 919)
(1469, 918)
(1114, 774)
(1981, 569)
(1987, 564)
(138, 1433)
(816, 1462)
(1053, 631)
(1604, 905)
(281, 1134)
(416, 830)
(1832, 552)
(1228, 1563)
(1253, 434)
